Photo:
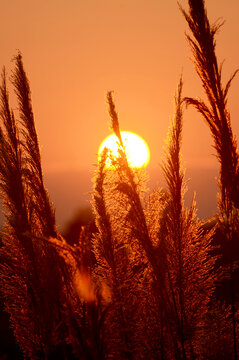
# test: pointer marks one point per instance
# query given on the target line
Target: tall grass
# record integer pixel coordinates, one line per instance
(187, 249)
(215, 112)
(38, 282)
(31, 271)
(142, 286)
(171, 262)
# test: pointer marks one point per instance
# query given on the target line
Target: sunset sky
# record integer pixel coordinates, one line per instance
(75, 51)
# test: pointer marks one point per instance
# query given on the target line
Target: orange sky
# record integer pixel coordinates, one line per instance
(74, 51)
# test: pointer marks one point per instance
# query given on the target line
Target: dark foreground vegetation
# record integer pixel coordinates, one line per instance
(150, 281)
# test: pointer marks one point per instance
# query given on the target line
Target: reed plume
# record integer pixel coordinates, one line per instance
(128, 186)
(34, 176)
(111, 264)
(216, 113)
(37, 282)
(146, 257)
(190, 275)
(142, 286)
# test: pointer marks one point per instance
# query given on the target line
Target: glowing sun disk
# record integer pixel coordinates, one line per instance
(137, 150)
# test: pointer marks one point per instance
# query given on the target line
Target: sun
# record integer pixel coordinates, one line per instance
(136, 148)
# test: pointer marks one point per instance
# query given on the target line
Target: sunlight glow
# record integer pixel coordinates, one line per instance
(137, 150)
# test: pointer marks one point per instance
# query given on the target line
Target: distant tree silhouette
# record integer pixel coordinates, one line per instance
(83, 220)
